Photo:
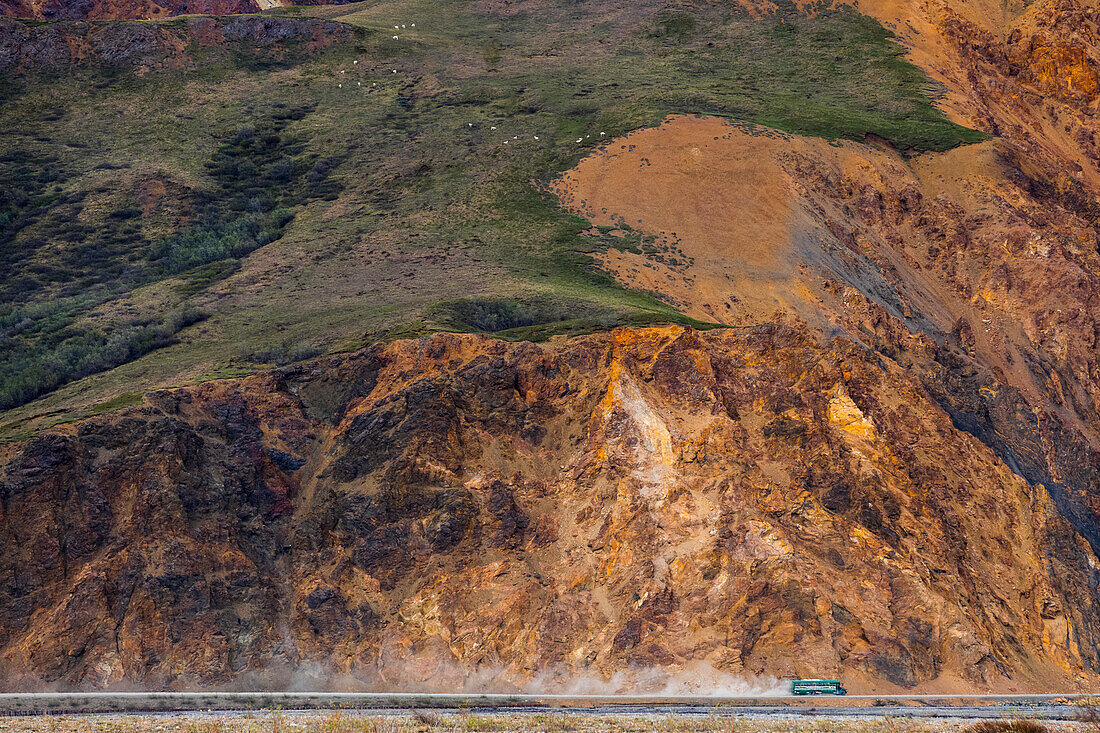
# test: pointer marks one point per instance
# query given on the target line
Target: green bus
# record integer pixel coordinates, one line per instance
(817, 687)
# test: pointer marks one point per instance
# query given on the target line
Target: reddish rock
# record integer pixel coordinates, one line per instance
(747, 497)
(146, 47)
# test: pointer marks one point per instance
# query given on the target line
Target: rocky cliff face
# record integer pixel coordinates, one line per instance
(965, 248)
(748, 497)
(991, 250)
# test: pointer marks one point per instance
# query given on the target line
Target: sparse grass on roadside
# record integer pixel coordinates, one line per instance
(1020, 725)
(354, 722)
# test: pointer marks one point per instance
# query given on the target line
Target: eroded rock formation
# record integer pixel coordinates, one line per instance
(749, 497)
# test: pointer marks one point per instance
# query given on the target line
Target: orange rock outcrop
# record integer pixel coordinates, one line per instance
(751, 498)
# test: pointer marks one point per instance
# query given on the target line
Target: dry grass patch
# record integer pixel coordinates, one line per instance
(1007, 726)
(431, 722)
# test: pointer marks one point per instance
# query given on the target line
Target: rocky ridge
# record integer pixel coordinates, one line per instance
(133, 9)
(145, 47)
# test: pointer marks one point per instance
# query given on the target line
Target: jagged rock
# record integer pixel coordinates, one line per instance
(749, 497)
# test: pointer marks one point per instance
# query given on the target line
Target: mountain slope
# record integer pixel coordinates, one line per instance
(992, 247)
(380, 184)
(658, 497)
(957, 247)
(874, 455)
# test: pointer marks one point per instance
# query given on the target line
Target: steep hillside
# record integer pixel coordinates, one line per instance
(649, 497)
(961, 247)
(992, 247)
(786, 354)
(248, 190)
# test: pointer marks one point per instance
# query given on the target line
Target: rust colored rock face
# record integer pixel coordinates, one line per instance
(749, 498)
(122, 9)
(149, 47)
(131, 9)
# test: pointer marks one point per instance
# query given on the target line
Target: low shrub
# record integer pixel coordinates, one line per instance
(282, 354)
(63, 352)
(492, 315)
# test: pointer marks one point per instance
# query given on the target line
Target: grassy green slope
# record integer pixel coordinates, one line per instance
(259, 207)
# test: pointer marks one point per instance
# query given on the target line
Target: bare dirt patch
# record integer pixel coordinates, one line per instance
(734, 224)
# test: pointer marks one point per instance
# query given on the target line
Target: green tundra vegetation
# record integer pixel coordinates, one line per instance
(265, 203)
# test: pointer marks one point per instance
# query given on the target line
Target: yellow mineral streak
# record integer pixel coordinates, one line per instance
(847, 416)
(653, 455)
